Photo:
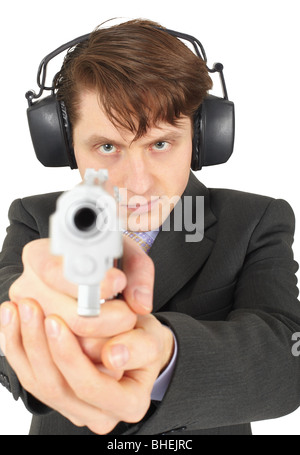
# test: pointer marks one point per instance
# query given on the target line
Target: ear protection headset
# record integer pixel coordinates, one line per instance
(51, 134)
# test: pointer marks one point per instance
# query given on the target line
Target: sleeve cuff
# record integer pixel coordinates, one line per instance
(162, 382)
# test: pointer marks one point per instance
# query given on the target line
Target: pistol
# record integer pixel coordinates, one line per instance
(86, 231)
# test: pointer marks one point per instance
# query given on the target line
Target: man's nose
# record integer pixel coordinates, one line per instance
(138, 178)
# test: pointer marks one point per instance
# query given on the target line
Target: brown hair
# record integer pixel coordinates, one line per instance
(142, 75)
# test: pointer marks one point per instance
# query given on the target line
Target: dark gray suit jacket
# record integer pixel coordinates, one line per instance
(231, 301)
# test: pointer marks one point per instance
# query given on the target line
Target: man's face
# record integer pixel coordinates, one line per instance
(151, 172)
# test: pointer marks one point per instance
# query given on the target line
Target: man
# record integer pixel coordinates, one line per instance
(215, 326)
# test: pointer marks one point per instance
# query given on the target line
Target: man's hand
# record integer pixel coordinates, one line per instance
(43, 281)
(50, 364)
(94, 371)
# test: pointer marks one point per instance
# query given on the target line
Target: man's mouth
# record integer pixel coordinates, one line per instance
(139, 208)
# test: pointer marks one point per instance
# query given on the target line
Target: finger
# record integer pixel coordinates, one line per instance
(37, 255)
(139, 270)
(92, 347)
(129, 351)
(36, 345)
(17, 358)
(122, 399)
(139, 348)
(115, 315)
(113, 284)
(52, 273)
(85, 379)
(45, 381)
(117, 375)
(13, 346)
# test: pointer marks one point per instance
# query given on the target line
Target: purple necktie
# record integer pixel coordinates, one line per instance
(143, 239)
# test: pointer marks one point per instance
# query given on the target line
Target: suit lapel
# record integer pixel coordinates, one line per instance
(175, 259)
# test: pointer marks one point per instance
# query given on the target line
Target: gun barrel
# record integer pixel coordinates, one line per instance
(88, 300)
(85, 219)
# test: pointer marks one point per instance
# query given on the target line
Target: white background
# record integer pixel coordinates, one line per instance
(258, 43)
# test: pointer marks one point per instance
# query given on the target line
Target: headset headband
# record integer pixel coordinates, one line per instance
(51, 132)
(42, 71)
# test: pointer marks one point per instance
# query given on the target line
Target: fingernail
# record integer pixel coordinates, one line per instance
(52, 328)
(26, 312)
(118, 355)
(6, 316)
(143, 296)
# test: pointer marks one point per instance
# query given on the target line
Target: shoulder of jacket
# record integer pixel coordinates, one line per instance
(227, 203)
(40, 202)
(230, 195)
(224, 197)
(228, 199)
(31, 208)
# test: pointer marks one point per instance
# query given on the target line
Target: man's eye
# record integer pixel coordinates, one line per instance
(107, 149)
(161, 146)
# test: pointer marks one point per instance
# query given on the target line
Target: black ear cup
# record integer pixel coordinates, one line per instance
(214, 128)
(51, 133)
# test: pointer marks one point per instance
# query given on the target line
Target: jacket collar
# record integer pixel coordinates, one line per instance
(176, 260)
